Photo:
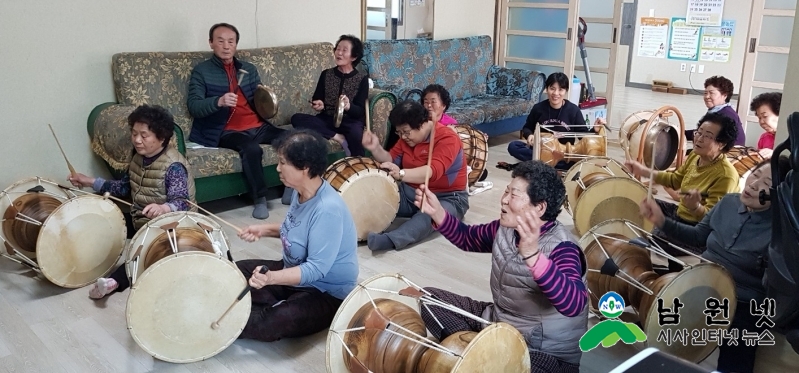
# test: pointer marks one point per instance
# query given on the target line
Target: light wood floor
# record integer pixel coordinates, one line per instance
(49, 329)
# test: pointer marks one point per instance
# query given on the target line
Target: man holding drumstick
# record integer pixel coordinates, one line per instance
(410, 161)
(220, 97)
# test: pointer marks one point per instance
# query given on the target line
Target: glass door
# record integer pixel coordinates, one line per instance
(538, 35)
(766, 60)
(603, 19)
(378, 20)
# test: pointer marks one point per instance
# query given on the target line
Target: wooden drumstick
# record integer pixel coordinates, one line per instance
(108, 195)
(429, 169)
(69, 165)
(238, 230)
(368, 124)
(242, 72)
(215, 324)
(651, 173)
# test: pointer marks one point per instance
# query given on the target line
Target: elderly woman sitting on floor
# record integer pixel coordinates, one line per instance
(537, 272)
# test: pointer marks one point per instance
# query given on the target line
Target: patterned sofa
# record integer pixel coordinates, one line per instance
(163, 78)
(493, 99)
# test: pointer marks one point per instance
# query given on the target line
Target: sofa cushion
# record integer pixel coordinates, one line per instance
(206, 162)
(460, 64)
(489, 108)
(162, 78)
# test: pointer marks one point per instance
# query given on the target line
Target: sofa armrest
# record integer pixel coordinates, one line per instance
(380, 105)
(110, 136)
(526, 84)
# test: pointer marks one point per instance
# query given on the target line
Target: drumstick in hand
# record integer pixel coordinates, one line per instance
(238, 230)
(242, 72)
(651, 173)
(428, 169)
(69, 165)
(215, 324)
(368, 125)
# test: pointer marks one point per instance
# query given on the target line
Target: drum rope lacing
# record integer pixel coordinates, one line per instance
(425, 300)
(172, 237)
(643, 240)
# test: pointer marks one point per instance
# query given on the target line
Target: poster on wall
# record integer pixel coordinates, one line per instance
(704, 12)
(417, 2)
(684, 41)
(653, 37)
(717, 42)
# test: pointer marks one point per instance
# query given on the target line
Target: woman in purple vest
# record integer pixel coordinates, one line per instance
(537, 271)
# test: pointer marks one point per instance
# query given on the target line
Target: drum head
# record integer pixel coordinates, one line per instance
(589, 166)
(357, 298)
(173, 304)
(144, 237)
(665, 133)
(693, 286)
(618, 226)
(499, 346)
(370, 193)
(614, 198)
(14, 192)
(81, 241)
(266, 103)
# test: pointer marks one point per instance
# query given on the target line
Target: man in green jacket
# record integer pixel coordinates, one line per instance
(223, 113)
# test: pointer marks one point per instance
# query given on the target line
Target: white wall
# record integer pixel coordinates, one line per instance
(460, 18)
(56, 61)
(644, 69)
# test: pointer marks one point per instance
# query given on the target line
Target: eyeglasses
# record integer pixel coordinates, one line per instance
(403, 133)
(708, 135)
(710, 93)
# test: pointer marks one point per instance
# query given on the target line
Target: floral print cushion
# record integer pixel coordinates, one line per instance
(206, 162)
(461, 65)
(489, 108)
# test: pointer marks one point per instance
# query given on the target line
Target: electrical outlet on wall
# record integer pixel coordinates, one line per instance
(682, 67)
(693, 68)
(701, 69)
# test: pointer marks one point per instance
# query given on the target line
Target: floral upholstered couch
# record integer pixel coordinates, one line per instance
(163, 78)
(493, 99)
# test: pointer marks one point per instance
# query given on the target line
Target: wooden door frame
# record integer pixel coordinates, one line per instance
(501, 32)
(753, 48)
(613, 46)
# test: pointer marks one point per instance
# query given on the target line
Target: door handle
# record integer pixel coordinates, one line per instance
(569, 34)
(752, 45)
(613, 37)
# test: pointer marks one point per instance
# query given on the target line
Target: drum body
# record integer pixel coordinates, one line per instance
(636, 137)
(173, 303)
(587, 172)
(611, 198)
(475, 148)
(74, 239)
(744, 159)
(498, 345)
(692, 286)
(551, 151)
(370, 193)
(154, 241)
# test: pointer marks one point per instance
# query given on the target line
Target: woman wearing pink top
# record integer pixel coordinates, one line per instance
(436, 99)
(767, 108)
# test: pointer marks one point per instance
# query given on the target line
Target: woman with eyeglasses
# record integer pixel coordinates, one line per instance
(703, 179)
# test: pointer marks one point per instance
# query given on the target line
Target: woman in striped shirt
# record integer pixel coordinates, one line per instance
(537, 272)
